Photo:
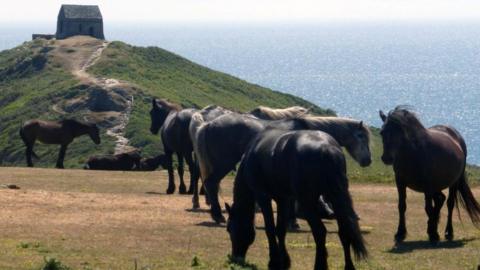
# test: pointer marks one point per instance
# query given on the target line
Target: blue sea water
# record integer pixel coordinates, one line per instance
(354, 68)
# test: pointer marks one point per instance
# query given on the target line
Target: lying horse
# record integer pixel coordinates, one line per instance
(173, 123)
(427, 160)
(268, 113)
(62, 132)
(292, 165)
(118, 162)
(151, 164)
(220, 144)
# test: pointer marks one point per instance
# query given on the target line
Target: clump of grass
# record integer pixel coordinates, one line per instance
(235, 263)
(53, 264)
(26, 245)
(196, 262)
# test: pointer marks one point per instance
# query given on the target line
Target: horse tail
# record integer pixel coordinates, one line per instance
(197, 135)
(467, 200)
(347, 219)
(25, 141)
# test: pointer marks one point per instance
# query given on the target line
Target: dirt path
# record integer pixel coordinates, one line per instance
(78, 54)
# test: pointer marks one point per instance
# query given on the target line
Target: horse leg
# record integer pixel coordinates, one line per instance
(194, 175)
(211, 184)
(402, 207)
(171, 181)
(430, 210)
(61, 156)
(182, 189)
(265, 204)
(193, 168)
(291, 216)
(28, 153)
(282, 220)
(318, 230)
(439, 200)
(450, 204)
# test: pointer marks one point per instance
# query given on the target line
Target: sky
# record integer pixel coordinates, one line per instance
(249, 10)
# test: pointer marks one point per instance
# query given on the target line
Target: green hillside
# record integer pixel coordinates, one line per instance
(34, 77)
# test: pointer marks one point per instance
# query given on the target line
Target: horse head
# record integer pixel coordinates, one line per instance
(159, 112)
(94, 133)
(400, 126)
(241, 231)
(358, 144)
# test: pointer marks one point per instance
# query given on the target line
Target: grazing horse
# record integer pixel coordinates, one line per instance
(62, 132)
(151, 164)
(292, 165)
(220, 143)
(268, 113)
(119, 162)
(173, 123)
(427, 160)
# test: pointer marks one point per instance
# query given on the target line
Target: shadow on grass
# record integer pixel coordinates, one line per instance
(409, 246)
(211, 224)
(155, 193)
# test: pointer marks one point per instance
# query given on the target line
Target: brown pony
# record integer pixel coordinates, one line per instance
(268, 113)
(427, 160)
(62, 132)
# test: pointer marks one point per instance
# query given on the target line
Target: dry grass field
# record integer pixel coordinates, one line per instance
(110, 220)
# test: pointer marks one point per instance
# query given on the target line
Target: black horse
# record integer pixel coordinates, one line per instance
(173, 123)
(62, 132)
(292, 165)
(427, 160)
(220, 143)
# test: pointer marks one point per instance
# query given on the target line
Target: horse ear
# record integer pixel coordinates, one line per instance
(360, 125)
(154, 103)
(382, 116)
(227, 207)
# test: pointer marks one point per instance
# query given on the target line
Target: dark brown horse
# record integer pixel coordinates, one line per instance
(151, 164)
(220, 144)
(427, 160)
(173, 123)
(284, 166)
(118, 162)
(62, 132)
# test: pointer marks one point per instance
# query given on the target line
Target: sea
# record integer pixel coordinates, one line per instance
(356, 69)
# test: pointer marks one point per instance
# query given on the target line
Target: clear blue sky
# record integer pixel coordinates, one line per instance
(250, 10)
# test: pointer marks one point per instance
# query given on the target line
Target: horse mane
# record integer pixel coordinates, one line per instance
(407, 119)
(276, 114)
(339, 127)
(169, 105)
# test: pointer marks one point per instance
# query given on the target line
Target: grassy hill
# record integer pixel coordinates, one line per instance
(33, 78)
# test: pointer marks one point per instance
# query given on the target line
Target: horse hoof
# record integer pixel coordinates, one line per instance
(434, 238)
(219, 219)
(182, 190)
(190, 191)
(202, 191)
(449, 236)
(170, 190)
